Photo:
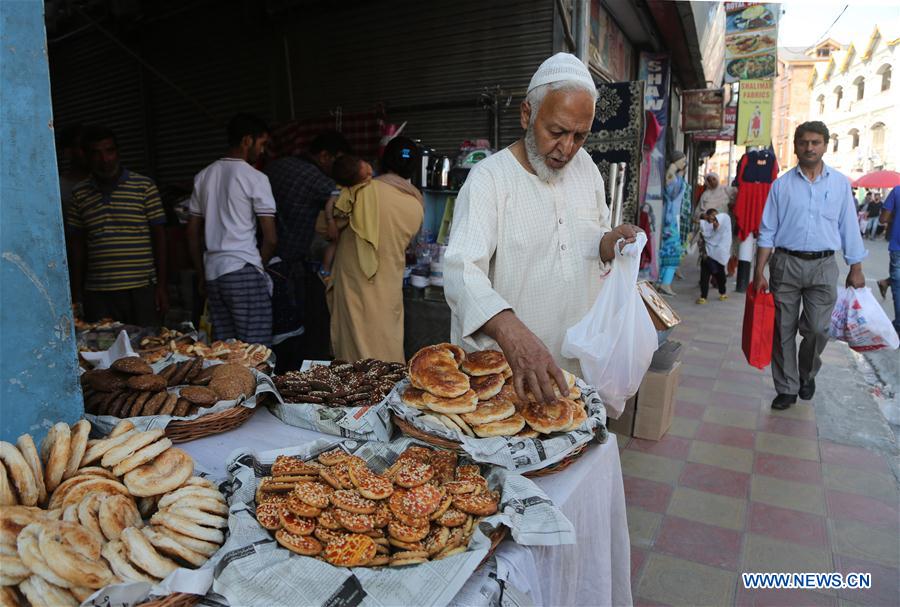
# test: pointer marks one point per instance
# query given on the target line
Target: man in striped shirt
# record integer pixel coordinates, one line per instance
(117, 239)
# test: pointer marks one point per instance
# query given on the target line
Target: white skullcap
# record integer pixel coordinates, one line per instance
(712, 174)
(561, 67)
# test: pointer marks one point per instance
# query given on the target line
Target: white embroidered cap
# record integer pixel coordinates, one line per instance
(560, 67)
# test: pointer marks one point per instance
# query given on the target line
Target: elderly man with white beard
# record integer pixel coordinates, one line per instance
(531, 239)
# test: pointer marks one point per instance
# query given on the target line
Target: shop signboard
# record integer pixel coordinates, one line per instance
(751, 39)
(654, 71)
(610, 51)
(702, 110)
(754, 115)
(727, 132)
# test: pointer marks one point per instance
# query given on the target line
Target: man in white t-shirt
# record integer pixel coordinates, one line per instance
(230, 197)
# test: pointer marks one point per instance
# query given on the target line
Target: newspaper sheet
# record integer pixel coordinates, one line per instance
(105, 423)
(360, 423)
(513, 453)
(255, 570)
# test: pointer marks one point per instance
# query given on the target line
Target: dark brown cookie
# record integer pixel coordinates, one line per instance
(226, 388)
(106, 380)
(194, 370)
(154, 403)
(184, 368)
(168, 372)
(138, 405)
(169, 404)
(181, 407)
(203, 377)
(199, 395)
(147, 383)
(132, 365)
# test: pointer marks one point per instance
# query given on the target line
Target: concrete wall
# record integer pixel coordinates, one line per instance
(38, 375)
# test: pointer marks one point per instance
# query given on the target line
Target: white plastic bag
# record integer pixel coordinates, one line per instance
(858, 320)
(616, 339)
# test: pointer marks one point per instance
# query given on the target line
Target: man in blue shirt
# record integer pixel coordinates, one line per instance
(809, 214)
(889, 219)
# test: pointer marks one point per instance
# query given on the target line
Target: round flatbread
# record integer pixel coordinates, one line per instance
(503, 427)
(549, 417)
(28, 450)
(435, 369)
(132, 365)
(485, 362)
(80, 432)
(490, 411)
(165, 473)
(19, 473)
(55, 450)
(487, 386)
(464, 403)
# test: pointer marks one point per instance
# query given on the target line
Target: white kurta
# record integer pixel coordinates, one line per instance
(519, 243)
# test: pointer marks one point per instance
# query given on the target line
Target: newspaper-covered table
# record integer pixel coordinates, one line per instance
(255, 570)
(105, 423)
(359, 423)
(514, 453)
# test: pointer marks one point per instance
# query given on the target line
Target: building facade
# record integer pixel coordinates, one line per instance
(792, 95)
(853, 94)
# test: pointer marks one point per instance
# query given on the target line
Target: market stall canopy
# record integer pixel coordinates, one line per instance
(878, 179)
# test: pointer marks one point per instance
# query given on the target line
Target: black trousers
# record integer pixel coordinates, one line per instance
(130, 306)
(711, 267)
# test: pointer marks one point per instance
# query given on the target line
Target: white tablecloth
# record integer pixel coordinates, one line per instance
(596, 571)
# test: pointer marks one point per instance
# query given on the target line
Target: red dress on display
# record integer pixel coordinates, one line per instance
(756, 172)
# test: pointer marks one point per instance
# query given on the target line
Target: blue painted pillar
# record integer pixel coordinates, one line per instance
(38, 366)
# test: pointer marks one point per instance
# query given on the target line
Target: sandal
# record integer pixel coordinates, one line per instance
(883, 286)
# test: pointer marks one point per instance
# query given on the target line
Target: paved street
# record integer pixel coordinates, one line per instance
(736, 487)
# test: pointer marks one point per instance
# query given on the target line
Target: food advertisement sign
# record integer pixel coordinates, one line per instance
(702, 110)
(754, 118)
(727, 132)
(751, 38)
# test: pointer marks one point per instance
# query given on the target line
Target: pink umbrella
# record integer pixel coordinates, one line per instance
(878, 179)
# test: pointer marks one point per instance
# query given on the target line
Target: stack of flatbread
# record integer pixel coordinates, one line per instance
(473, 393)
(73, 514)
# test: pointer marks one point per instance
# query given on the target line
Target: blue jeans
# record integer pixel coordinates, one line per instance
(895, 287)
(871, 227)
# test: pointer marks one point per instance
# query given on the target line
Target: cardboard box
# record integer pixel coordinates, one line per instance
(655, 403)
(623, 426)
(661, 313)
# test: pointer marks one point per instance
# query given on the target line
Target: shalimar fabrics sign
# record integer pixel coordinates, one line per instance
(754, 119)
(751, 38)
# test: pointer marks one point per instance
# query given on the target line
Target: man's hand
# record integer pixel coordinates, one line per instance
(608, 242)
(161, 296)
(534, 369)
(760, 283)
(855, 277)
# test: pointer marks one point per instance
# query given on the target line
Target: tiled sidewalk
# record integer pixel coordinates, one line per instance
(737, 487)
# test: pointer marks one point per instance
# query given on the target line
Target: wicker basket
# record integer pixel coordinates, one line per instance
(176, 599)
(410, 430)
(182, 431)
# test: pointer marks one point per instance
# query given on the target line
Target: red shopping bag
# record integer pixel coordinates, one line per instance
(759, 327)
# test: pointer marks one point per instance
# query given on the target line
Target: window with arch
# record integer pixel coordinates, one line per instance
(854, 138)
(821, 100)
(860, 84)
(838, 95)
(885, 72)
(834, 143)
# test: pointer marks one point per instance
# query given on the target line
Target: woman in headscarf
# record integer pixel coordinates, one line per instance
(384, 214)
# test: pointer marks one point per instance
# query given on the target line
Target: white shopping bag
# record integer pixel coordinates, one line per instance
(858, 320)
(615, 340)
